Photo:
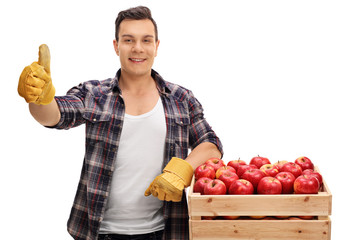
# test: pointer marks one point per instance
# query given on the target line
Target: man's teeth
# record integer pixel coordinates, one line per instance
(136, 59)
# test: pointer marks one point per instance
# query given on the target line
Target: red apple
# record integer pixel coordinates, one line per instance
(287, 180)
(269, 185)
(254, 176)
(224, 169)
(216, 163)
(293, 168)
(243, 169)
(259, 161)
(279, 164)
(200, 184)
(304, 163)
(228, 177)
(241, 187)
(314, 173)
(204, 171)
(270, 170)
(236, 163)
(215, 187)
(306, 184)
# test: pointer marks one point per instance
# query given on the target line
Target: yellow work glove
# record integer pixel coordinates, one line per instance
(170, 184)
(35, 81)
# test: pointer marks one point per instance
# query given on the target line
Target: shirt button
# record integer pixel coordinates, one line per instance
(181, 122)
(94, 119)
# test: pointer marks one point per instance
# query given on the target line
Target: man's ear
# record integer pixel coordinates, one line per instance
(157, 46)
(115, 43)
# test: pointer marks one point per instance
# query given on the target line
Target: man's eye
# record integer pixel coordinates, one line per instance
(128, 40)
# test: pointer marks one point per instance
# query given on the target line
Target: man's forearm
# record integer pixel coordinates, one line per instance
(47, 115)
(201, 153)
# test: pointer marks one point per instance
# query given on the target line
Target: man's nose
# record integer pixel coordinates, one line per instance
(138, 47)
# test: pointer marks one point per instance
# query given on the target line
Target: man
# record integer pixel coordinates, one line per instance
(139, 128)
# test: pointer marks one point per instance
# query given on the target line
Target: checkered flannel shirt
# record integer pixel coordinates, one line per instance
(100, 106)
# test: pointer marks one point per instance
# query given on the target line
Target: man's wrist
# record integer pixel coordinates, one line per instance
(180, 168)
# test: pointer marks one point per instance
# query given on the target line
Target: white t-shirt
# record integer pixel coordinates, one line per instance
(139, 160)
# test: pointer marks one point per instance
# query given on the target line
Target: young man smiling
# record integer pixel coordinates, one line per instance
(139, 128)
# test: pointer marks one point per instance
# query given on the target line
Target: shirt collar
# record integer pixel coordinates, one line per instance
(160, 82)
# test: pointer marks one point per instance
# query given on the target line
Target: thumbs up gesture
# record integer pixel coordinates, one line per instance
(35, 83)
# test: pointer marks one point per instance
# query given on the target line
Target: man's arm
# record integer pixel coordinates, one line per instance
(202, 139)
(47, 115)
(35, 86)
(201, 153)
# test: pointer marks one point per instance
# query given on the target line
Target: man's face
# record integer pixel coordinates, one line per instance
(136, 47)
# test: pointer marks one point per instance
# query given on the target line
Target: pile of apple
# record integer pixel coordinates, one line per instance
(258, 177)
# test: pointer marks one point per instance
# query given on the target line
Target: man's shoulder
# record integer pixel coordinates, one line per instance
(96, 87)
(178, 91)
(174, 87)
(99, 83)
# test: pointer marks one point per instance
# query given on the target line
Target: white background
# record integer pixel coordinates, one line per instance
(276, 78)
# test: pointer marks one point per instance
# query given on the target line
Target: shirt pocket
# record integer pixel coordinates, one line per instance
(94, 117)
(96, 109)
(181, 133)
(97, 120)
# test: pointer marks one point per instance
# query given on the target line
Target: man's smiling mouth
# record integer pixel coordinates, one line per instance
(137, 60)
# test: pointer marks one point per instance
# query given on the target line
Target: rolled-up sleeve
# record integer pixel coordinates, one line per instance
(71, 108)
(199, 130)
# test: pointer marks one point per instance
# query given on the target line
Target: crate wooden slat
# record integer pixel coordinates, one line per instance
(260, 229)
(272, 205)
(260, 205)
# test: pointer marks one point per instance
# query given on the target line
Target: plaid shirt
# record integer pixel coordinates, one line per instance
(100, 106)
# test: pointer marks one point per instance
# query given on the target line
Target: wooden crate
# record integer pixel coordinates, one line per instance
(318, 205)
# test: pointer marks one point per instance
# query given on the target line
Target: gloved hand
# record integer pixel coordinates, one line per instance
(170, 184)
(35, 83)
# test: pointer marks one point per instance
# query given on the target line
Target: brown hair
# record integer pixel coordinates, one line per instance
(136, 13)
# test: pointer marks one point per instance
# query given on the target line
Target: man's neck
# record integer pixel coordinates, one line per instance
(138, 84)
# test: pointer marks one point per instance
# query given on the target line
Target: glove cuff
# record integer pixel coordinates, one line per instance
(47, 96)
(181, 168)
